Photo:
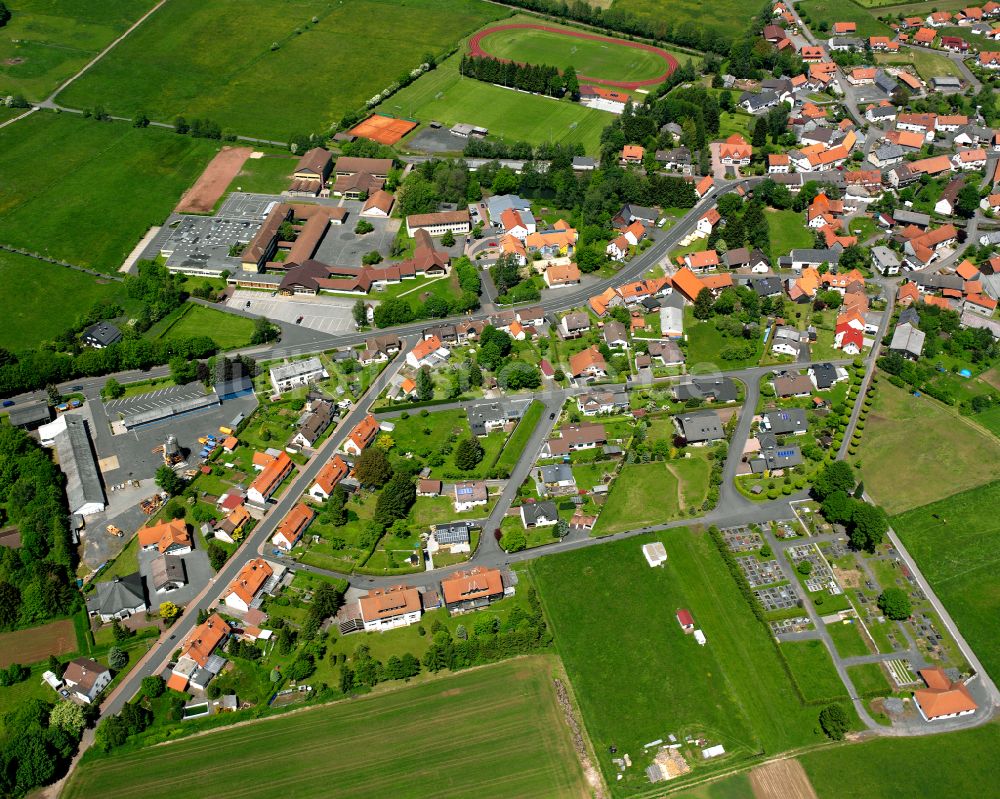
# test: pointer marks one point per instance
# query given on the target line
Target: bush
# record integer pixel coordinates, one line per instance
(833, 719)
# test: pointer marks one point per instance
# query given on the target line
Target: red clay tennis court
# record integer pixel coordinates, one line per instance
(384, 130)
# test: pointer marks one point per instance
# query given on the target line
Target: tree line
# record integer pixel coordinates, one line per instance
(535, 78)
(156, 291)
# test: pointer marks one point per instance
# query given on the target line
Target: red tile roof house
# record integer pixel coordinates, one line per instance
(387, 608)
(942, 698)
(197, 664)
(707, 261)
(269, 479)
(735, 151)
(293, 526)
(167, 538)
(588, 364)
(618, 249)
(333, 471)
(840, 28)
(685, 620)
(361, 436)
(708, 221)
(632, 154)
(248, 584)
(472, 589)
(86, 678)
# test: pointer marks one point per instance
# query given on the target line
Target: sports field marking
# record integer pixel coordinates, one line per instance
(476, 49)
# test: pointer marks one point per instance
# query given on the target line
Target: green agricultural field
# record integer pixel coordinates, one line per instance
(813, 669)
(990, 420)
(638, 677)
(112, 183)
(595, 59)
(48, 41)
(445, 96)
(227, 330)
(830, 11)
(66, 292)
(368, 744)
(726, 17)
(788, 232)
(267, 69)
(956, 545)
(902, 444)
(899, 768)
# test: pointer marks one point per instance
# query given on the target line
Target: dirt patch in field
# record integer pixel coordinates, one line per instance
(13, 62)
(782, 779)
(37, 643)
(213, 182)
(848, 578)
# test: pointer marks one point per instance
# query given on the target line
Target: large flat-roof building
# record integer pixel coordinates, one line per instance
(84, 491)
(297, 373)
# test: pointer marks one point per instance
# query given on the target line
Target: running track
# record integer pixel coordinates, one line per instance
(476, 50)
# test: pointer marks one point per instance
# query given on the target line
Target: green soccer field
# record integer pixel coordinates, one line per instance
(956, 543)
(595, 59)
(85, 191)
(447, 97)
(496, 730)
(639, 678)
(268, 69)
(41, 300)
(48, 41)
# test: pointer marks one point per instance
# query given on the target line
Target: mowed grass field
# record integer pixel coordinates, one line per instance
(217, 59)
(494, 731)
(915, 450)
(923, 767)
(60, 296)
(638, 677)
(727, 17)
(956, 543)
(788, 232)
(595, 59)
(445, 96)
(85, 191)
(227, 330)
(927, 62)
(48, 41)
(830, 11)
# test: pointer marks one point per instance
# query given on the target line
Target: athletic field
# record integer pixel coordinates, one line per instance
(493, 731)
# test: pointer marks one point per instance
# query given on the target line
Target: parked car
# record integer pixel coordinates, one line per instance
(8, 403)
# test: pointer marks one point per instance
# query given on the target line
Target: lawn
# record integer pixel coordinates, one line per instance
(67, 295)
(642, 495)
(904, 442)
(268, 175)
(813, 669)
(956, 545)
(272, 69)
(847, 638)
(830, 11)
(595, 59)
(788, 232)
(47, 41)
(990, 420)
(868, 678)
(639, 678)
(445, 96)
(514, 448)
(112, 183)
(369, 746)
(227, 330)
(729, 18)
(705, 343)
(897, 768)
(927, 62)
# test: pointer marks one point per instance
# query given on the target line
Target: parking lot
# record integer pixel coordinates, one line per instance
(327, 314)
(155, 399)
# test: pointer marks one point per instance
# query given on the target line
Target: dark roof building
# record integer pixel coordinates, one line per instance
(101, 335)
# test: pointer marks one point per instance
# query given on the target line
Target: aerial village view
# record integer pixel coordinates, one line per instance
(458, 398)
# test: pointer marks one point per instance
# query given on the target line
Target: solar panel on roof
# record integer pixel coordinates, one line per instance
(785, 453)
